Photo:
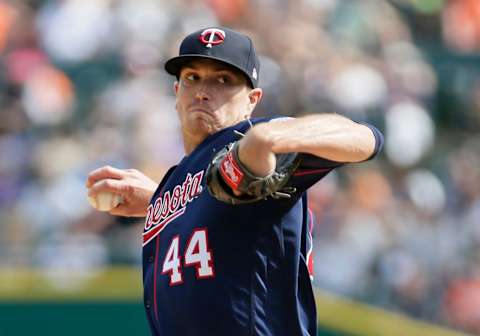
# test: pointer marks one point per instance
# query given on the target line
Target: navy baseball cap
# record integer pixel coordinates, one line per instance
(220, 44)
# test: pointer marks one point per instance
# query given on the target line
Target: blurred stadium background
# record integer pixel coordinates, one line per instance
(397, 248)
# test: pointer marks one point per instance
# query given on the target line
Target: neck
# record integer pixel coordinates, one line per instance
(190, 143)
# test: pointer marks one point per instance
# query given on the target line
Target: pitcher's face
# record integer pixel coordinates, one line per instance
(212, 96)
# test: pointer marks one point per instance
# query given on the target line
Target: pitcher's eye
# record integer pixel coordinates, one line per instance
(224, 79)
(191, 77)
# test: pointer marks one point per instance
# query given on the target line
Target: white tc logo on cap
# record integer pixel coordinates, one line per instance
(212, 36)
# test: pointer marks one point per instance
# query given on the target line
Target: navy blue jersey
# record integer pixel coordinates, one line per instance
(210, 268)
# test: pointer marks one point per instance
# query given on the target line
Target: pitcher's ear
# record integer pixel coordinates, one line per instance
(254, 97)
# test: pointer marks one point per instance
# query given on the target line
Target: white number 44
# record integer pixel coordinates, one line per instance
(196, 254)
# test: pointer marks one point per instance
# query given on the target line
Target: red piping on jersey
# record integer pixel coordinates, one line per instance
(310, 250)
(310, 171)
(155, 280)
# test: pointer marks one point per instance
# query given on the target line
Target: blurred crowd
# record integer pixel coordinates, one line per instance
(82, 85)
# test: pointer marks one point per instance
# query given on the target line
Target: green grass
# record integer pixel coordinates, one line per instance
(109, 303)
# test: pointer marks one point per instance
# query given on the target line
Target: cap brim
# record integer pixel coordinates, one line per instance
(175, 64)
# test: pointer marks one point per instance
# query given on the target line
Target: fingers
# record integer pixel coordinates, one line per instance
(135, 188)
(126, 210)
(106, 172)
(110, 185)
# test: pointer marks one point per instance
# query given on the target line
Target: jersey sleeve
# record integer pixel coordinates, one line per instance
(313, 168)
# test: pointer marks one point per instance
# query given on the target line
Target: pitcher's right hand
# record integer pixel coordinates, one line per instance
(135, 188)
